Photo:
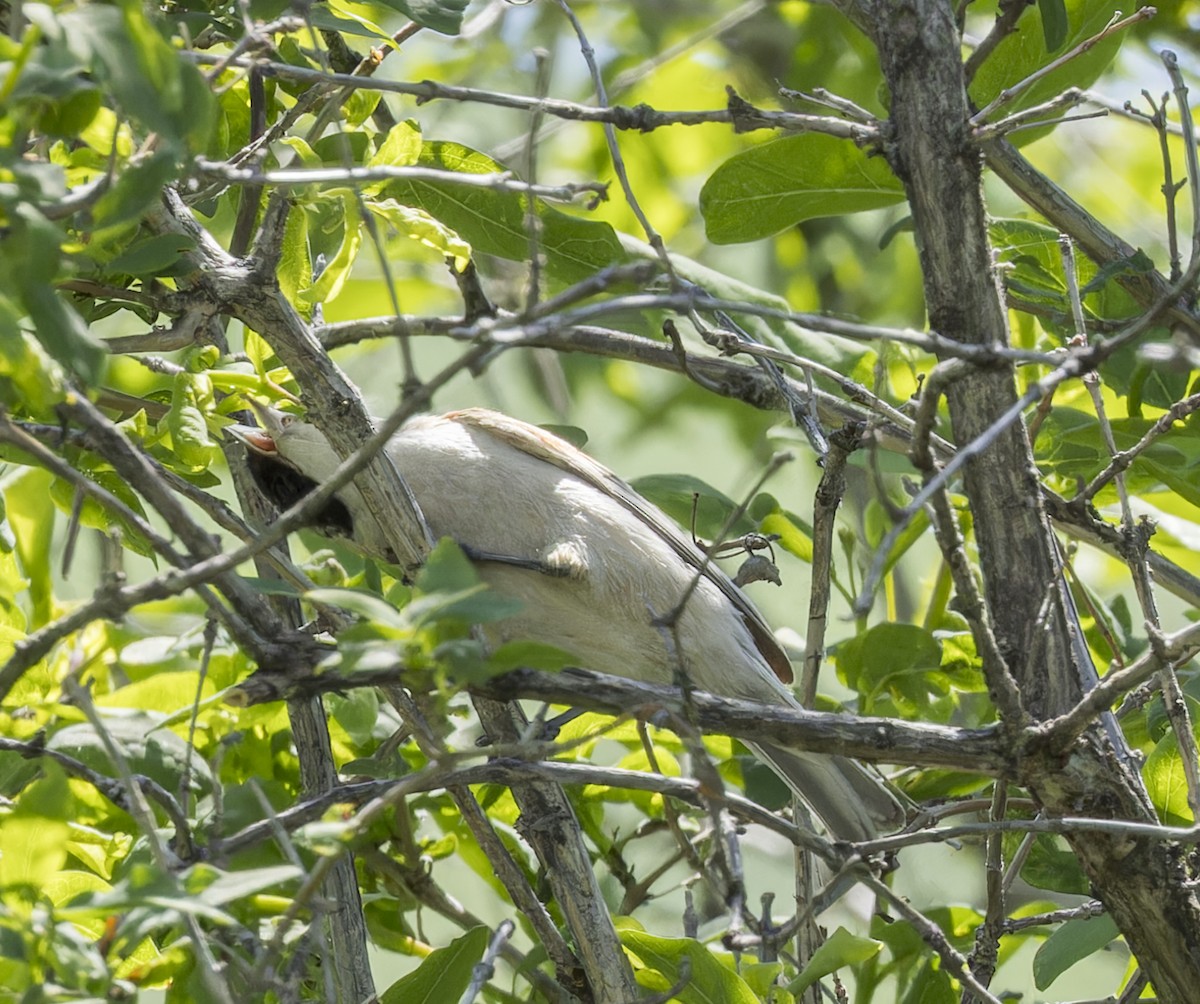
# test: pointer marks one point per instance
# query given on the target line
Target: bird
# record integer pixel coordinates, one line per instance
(592, 562)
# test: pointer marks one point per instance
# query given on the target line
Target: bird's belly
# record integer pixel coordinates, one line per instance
(616, 629)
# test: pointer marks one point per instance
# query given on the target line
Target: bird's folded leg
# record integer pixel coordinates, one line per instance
(563, 560)
(543, 730)
(552, 726)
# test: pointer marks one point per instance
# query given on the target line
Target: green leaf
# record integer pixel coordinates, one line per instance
(30, 261)
(1035, 267)
(70, 116)
(136, 188)
(1052, 865)
(294, 273)
(356, 712)
(1157, 386)
(330, 282)
(762, 978)
(64, 334)
(191, 398)
(710, 981)
(1165, 780)
(99, 516)
(762, 785)
(360, 106)
(771, 187)
(216, 887)
(933, 986)
(156, 255)
(8, 544)
(33, 836)
(901, 660)
(441, 15)
(1024, 51)
(420, 226)
(878, 522)
(33, 527)
(1138, 263)
(148, 78)
(366, 605)
(446, 570)
(839, 951)
(573, 434)
(1054, 23)
(150, 749)
(1075, 941)
(1183, 480)
(494, 221)
(339, 17)
(1035, 271)
(444, 975)
(792, 538)
(530, 655)
(33, 385)
(477, 605)
(308, 156)
(155, 900)
(400, 148)
(464, 661)
(674, 493)
(449, 589)
(1069, 443)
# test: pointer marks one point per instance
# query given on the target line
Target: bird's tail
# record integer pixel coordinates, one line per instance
(852, 802)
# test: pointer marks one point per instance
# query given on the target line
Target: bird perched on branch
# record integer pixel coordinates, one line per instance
(593, 563)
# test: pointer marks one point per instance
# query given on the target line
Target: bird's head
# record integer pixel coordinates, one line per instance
(284, 437)
(288, 458)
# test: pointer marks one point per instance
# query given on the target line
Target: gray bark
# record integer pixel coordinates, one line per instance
(1144, 884)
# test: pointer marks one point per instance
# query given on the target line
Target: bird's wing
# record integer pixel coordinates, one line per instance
(553, 450)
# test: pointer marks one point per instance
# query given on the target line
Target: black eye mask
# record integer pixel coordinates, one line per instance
(285, 486)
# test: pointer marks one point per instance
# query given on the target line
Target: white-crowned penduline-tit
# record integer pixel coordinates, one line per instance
(592, 563)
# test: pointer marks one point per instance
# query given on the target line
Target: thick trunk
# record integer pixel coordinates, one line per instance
(1142, 883)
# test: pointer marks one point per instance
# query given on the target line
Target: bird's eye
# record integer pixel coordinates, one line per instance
(286, 420)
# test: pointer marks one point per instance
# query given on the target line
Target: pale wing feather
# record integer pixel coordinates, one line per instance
(853, 801)
(551, 449)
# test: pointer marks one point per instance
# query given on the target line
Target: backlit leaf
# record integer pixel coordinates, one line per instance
(774, 186)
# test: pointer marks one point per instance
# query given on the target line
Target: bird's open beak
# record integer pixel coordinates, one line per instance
(253, 438)
(260, 438)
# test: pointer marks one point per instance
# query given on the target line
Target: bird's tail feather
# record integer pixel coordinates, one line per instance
(854, 803)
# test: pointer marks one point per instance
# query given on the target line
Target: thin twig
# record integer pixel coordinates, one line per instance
(1122, 459)
(1177, 648)
(949, 537)
(639, 118)
(1007, 16)
(1170, 187)
(1036, 116)
(485, 968)
(614, 149)
(297, 177)
(953, 961)
(1085, 911)
(985, 954)
(1171, 62)
(828, 498)
(1016, 90)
